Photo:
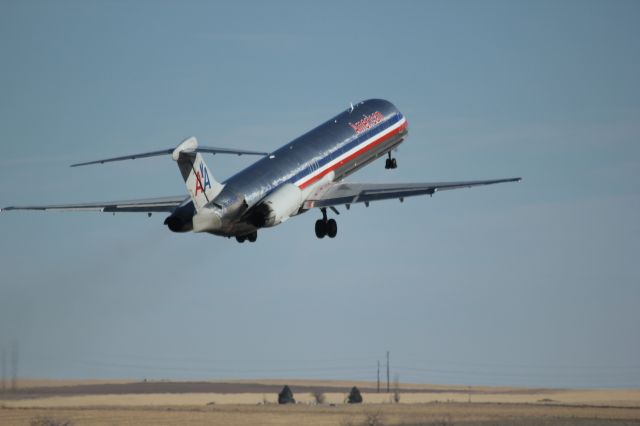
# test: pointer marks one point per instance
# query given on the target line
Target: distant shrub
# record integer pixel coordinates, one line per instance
(48, 421)
(373, 418)
(318, 397)
(354, 396)
(286, 396)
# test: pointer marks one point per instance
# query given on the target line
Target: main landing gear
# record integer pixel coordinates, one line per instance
(391, 162)
(326, 227)
(252, 237)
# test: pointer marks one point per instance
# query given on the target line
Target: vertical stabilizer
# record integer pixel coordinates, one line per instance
(201, 185)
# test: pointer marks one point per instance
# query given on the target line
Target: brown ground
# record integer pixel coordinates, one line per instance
(253, 403)
(40, 388)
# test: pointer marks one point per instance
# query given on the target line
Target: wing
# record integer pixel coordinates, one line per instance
(168, 151)
(147, 205)
(335, 194)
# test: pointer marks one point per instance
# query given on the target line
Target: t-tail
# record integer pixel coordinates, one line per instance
(201, 185)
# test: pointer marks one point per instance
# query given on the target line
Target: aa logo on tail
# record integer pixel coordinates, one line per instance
(202, 179)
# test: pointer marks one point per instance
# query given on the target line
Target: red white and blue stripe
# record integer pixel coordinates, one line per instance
(354, 150)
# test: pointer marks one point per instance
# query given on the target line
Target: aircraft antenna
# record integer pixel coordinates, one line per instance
(350, 107)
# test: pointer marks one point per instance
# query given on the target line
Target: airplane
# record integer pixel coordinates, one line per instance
(307, 173)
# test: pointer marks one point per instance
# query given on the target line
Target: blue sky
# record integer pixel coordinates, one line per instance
(532, 284)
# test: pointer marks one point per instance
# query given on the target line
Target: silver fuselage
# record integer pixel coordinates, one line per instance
(333, 150)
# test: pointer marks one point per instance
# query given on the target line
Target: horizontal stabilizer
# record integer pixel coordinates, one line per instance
(169, 151)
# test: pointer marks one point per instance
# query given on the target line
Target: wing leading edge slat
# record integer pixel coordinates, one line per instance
(349, 193)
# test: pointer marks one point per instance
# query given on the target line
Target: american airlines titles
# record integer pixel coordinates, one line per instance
(367, 122)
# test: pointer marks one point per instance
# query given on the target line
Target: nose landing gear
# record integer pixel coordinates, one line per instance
(391, 162)
(326, 227)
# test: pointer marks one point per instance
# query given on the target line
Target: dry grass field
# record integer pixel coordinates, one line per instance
(238, 403)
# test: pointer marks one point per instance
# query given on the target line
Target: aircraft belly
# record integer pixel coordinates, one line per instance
(370, 156)
(235, 228)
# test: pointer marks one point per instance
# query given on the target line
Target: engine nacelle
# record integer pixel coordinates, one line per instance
(277, 207)
(206, 220)
(181, 220)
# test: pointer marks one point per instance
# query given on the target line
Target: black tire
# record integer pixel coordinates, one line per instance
(240, 238)
(394, 163)
(321, 228)
(332, 228)
(252, 237)
(387, 163)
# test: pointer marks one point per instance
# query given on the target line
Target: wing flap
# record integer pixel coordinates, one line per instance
(349, 193)
(146, 205)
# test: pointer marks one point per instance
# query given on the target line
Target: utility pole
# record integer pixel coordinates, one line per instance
(378, 376)
(14, 367)
(388, 372)
(4, 370)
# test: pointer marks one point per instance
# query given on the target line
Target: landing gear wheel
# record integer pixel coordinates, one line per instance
(332, 228)
(252, 237)
(321, 228)
(326, 227)
(240, 238)
(391, 162)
